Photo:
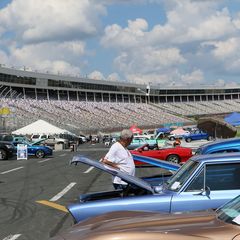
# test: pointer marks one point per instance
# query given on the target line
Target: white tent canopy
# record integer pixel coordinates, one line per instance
(40, 127)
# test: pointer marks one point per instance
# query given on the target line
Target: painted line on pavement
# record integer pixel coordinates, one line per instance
(14, 169)
(12, 237)
(45, 160)
(53, 205)
(65, 190)
(89, 170)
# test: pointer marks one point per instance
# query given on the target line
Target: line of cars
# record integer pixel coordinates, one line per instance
(204, 182)
(37, 149)
(191, 136)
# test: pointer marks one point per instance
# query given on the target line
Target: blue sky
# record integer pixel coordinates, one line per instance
(164, 42)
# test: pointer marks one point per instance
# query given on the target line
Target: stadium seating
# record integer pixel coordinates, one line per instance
(82, 116)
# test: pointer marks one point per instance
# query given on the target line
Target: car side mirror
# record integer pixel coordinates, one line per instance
(140, 150)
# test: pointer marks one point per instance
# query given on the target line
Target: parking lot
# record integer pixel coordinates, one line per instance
(35, 192)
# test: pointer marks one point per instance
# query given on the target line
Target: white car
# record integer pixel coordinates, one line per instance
(172, 137)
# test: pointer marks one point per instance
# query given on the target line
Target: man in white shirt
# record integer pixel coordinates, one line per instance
(119, 157)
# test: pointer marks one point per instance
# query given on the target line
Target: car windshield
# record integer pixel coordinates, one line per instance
(179, 178)
(230, 212)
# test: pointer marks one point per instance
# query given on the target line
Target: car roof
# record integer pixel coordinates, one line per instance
(218, 157)
(220, 142)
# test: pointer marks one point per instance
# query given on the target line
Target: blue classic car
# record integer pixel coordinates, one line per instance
(220, 146)
(197, 135)
(36, 149)
(203, 182)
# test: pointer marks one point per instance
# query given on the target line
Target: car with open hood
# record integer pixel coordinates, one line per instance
(203, 182)
(224, 224)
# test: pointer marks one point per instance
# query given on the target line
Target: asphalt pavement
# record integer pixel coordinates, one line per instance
(35, 192)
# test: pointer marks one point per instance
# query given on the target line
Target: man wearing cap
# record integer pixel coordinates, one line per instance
(119, 157)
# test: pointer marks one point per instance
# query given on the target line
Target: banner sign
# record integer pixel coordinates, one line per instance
(5, 111)
(22, 152)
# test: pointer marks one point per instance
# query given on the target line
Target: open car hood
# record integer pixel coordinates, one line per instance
(115, 172)
(38, 142)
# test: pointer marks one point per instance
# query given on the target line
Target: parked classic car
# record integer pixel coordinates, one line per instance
(174, 136)
(197, 135)
(193, 187)
(136, 143)
(36, 149)
(220, 146)
(139, 141)
(224, 224)
(173, 154)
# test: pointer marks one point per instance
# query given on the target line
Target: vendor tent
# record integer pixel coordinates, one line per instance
(178, 131)
(233, 119)
(135, 129)
(217, 128)
(40, 127)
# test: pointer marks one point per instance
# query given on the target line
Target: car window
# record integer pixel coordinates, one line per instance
(218, 177)
(43, 136)
(8, 138)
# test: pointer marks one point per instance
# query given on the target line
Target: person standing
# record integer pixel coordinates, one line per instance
(177, 142)
(120, 158)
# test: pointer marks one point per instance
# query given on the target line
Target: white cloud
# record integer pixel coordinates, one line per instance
(113, 77)
(226, 54)
(194, 77)
(96, 75)
(118, 37)
(3, 58)
(53, 57)
(38, 20)
(226, 49)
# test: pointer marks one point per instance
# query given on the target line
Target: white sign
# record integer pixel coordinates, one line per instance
(22, 152)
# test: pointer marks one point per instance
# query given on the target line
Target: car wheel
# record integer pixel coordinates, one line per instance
(40, 154)
(173, 158)
(3, 154)
(188, 139)
(172, 138)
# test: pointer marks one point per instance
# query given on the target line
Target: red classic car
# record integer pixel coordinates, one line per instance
(174, 154)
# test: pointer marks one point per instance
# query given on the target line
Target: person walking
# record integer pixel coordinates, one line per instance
(120, 158)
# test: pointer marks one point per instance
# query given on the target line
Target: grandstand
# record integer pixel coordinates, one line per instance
(88, 106)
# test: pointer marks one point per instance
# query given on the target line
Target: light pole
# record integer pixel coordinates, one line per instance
(146, 92)
(148, 89)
